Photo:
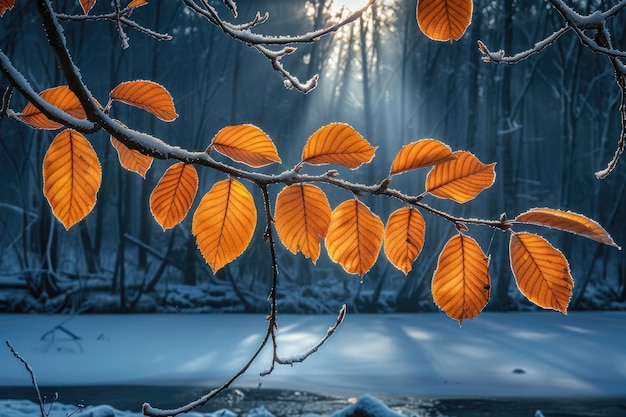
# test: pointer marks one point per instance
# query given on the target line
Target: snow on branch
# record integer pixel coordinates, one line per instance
(599, 42)
(121, 19)
(290, 360)
(244, 34)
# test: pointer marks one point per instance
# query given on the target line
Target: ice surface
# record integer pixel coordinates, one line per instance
(542, 354)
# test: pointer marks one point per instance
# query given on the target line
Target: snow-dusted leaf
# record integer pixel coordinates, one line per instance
(404, 237)
(444, 20)
(302, 217)
(246, 143)
(354, 237)
(71, 177)
(460, 179)
(419, 154)
(224, 223)
(541, 271)
(337, 143)
(6, 5)
(171, 199)
(567, 221)
(61, 97)
(461, 283)
(147, 95)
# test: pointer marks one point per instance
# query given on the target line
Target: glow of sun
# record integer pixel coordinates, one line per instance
(350, 5)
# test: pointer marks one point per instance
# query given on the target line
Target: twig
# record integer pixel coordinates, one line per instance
(304, 355)
(32, 378)
(119, 18)
(6, 99)
(538, 47)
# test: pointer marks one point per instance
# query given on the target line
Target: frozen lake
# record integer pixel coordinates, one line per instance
(410, 361)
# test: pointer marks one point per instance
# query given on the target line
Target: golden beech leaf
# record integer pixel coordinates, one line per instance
(302, 217)
(61, 97)
(71, 177)
(541, 271)
(147, 95)
(171, 199)
(444, 20)
(132, 159)
(354, 237)
(461, 283)
(337, 143)
(460, 179)
(6, 5)
(404, 237)
(569, 222)
(136, 3)
(87, 5)
(246, 143)
(419, 154)
(224, 223)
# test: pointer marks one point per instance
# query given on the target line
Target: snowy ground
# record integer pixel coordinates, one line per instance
(521, 355)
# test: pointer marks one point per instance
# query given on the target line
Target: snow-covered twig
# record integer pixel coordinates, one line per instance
(500, 57)
(118, 17)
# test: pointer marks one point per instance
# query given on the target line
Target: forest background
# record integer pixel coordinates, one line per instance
(550, 122)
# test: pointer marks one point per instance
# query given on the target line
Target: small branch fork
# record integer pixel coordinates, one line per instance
(600, 43)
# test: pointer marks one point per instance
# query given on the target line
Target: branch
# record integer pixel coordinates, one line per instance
(120, 17)
(244, 34)
(152, 146)
(150, 411)
(19, 82)
(304, 355)
(600, 43)
(499, 57)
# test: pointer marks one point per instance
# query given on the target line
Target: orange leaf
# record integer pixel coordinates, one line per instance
(171, 199)
(404, 237)
(71, 177)
(132, 159)
(419, 154)
(136, 3)
(146, 95)
(461, 283)
(567, 221)
(337, 143)
(444, 20)
(460, 179)
(224, 223)
(87, 5)
(302, 217)
(61, 97)
(247, 144)
(541, 271)
(354, 237)
(6, 5)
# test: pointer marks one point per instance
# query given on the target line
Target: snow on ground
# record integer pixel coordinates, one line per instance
(542, 354)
